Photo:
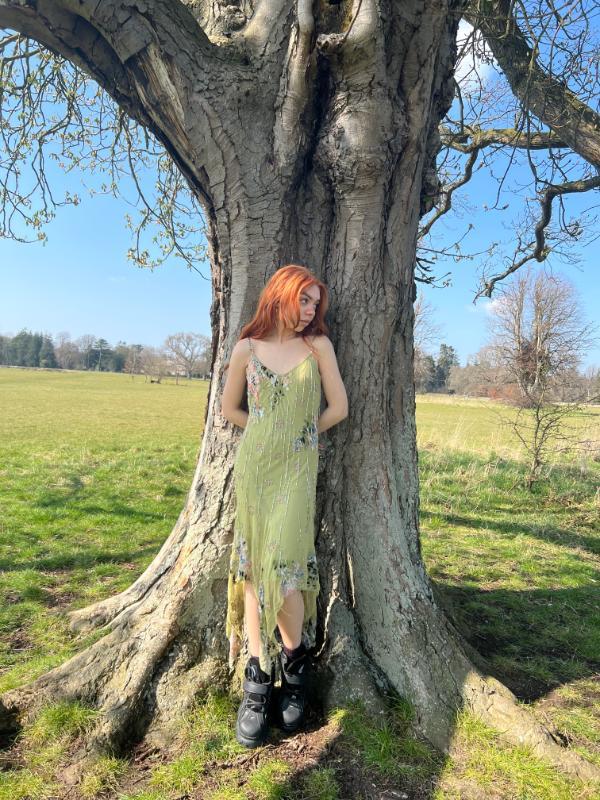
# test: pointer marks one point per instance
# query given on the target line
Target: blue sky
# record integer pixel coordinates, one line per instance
(463, 324)
(82, 282)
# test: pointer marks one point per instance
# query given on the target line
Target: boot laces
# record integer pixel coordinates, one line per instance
(256, 702)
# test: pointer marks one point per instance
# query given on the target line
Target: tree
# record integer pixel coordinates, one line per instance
(24, 350)
(538, 332)
(85, 344)
(186, 352)
(32, 350)
(67, 352)
(120, 354)
(539, 335)
(447, 359)
(134, 360)
(481, 375)
(425, 329)
(5, 342)
(154, 364)
(101, 355)
(306, 132)
(47, 357)
(425, 333)
(425, 373)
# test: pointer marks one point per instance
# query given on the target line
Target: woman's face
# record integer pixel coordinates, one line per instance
(309, 302)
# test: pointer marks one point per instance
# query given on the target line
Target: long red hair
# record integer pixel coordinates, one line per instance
(280, 300)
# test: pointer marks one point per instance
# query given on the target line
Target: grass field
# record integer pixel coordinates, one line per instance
(94, 469)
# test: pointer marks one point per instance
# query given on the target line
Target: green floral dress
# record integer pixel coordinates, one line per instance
(275, 476)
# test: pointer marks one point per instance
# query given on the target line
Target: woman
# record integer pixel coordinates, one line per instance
(283, 357)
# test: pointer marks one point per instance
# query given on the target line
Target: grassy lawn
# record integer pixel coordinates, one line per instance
(94, 469)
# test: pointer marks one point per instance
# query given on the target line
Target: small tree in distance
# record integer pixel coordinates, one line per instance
(539, 336)
(154, 364)
(187, 352)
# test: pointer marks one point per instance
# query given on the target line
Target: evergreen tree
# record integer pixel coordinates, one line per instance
(47, 357)
(447, 358)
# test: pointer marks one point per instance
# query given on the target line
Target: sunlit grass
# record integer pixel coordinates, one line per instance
(93, 472)
(209, 730)
(102, 776)
(510, 771)
(269, 781)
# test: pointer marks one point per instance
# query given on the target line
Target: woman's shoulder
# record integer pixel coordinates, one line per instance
(320, 342)
(241, 350)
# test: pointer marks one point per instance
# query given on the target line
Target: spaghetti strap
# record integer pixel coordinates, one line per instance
(250, 343)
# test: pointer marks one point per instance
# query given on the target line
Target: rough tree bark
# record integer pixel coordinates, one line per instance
(309, 133)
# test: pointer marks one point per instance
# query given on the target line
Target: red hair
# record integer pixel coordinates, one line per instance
(280, 300)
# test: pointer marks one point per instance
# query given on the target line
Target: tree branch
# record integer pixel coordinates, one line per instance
(261, 33)
(471, 139)
(540, 250)
(448, 190)
(150, 61)
(294, 93)
(73, 39)
(539, 91)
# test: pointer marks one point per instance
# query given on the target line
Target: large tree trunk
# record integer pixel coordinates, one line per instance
(313, 146)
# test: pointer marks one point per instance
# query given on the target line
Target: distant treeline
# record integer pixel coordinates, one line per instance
(183, 354)
(28, 349)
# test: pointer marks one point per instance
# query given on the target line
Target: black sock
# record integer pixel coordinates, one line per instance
(293, 653)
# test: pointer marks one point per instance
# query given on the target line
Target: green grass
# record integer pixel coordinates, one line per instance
(269, 781)
(93, 472)
(44, 744)
(24, 784)
(102, 777)
(209, 730)
(387, 746)
(94, 469)
(513, 772)
(518, 573)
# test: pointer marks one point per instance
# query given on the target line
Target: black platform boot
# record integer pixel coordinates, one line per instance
(252, 725)
(292, 696)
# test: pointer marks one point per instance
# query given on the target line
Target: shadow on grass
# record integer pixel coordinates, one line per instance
(85, 560)
(532, 641)
(566, 537)
(112, 507)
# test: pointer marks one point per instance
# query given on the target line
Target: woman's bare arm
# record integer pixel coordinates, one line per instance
(333, 385)
(235, 383)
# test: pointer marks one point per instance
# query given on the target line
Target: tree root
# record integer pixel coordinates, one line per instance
(109, 610)
(168, 645)
(434, 672)
(498, 707)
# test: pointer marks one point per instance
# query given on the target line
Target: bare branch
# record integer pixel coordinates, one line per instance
(50, 110)
(539, 251)
(470, 139)
(537, 89)
(447, 192)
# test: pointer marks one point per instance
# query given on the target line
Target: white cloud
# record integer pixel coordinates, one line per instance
(471, 71)
(483, 306)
